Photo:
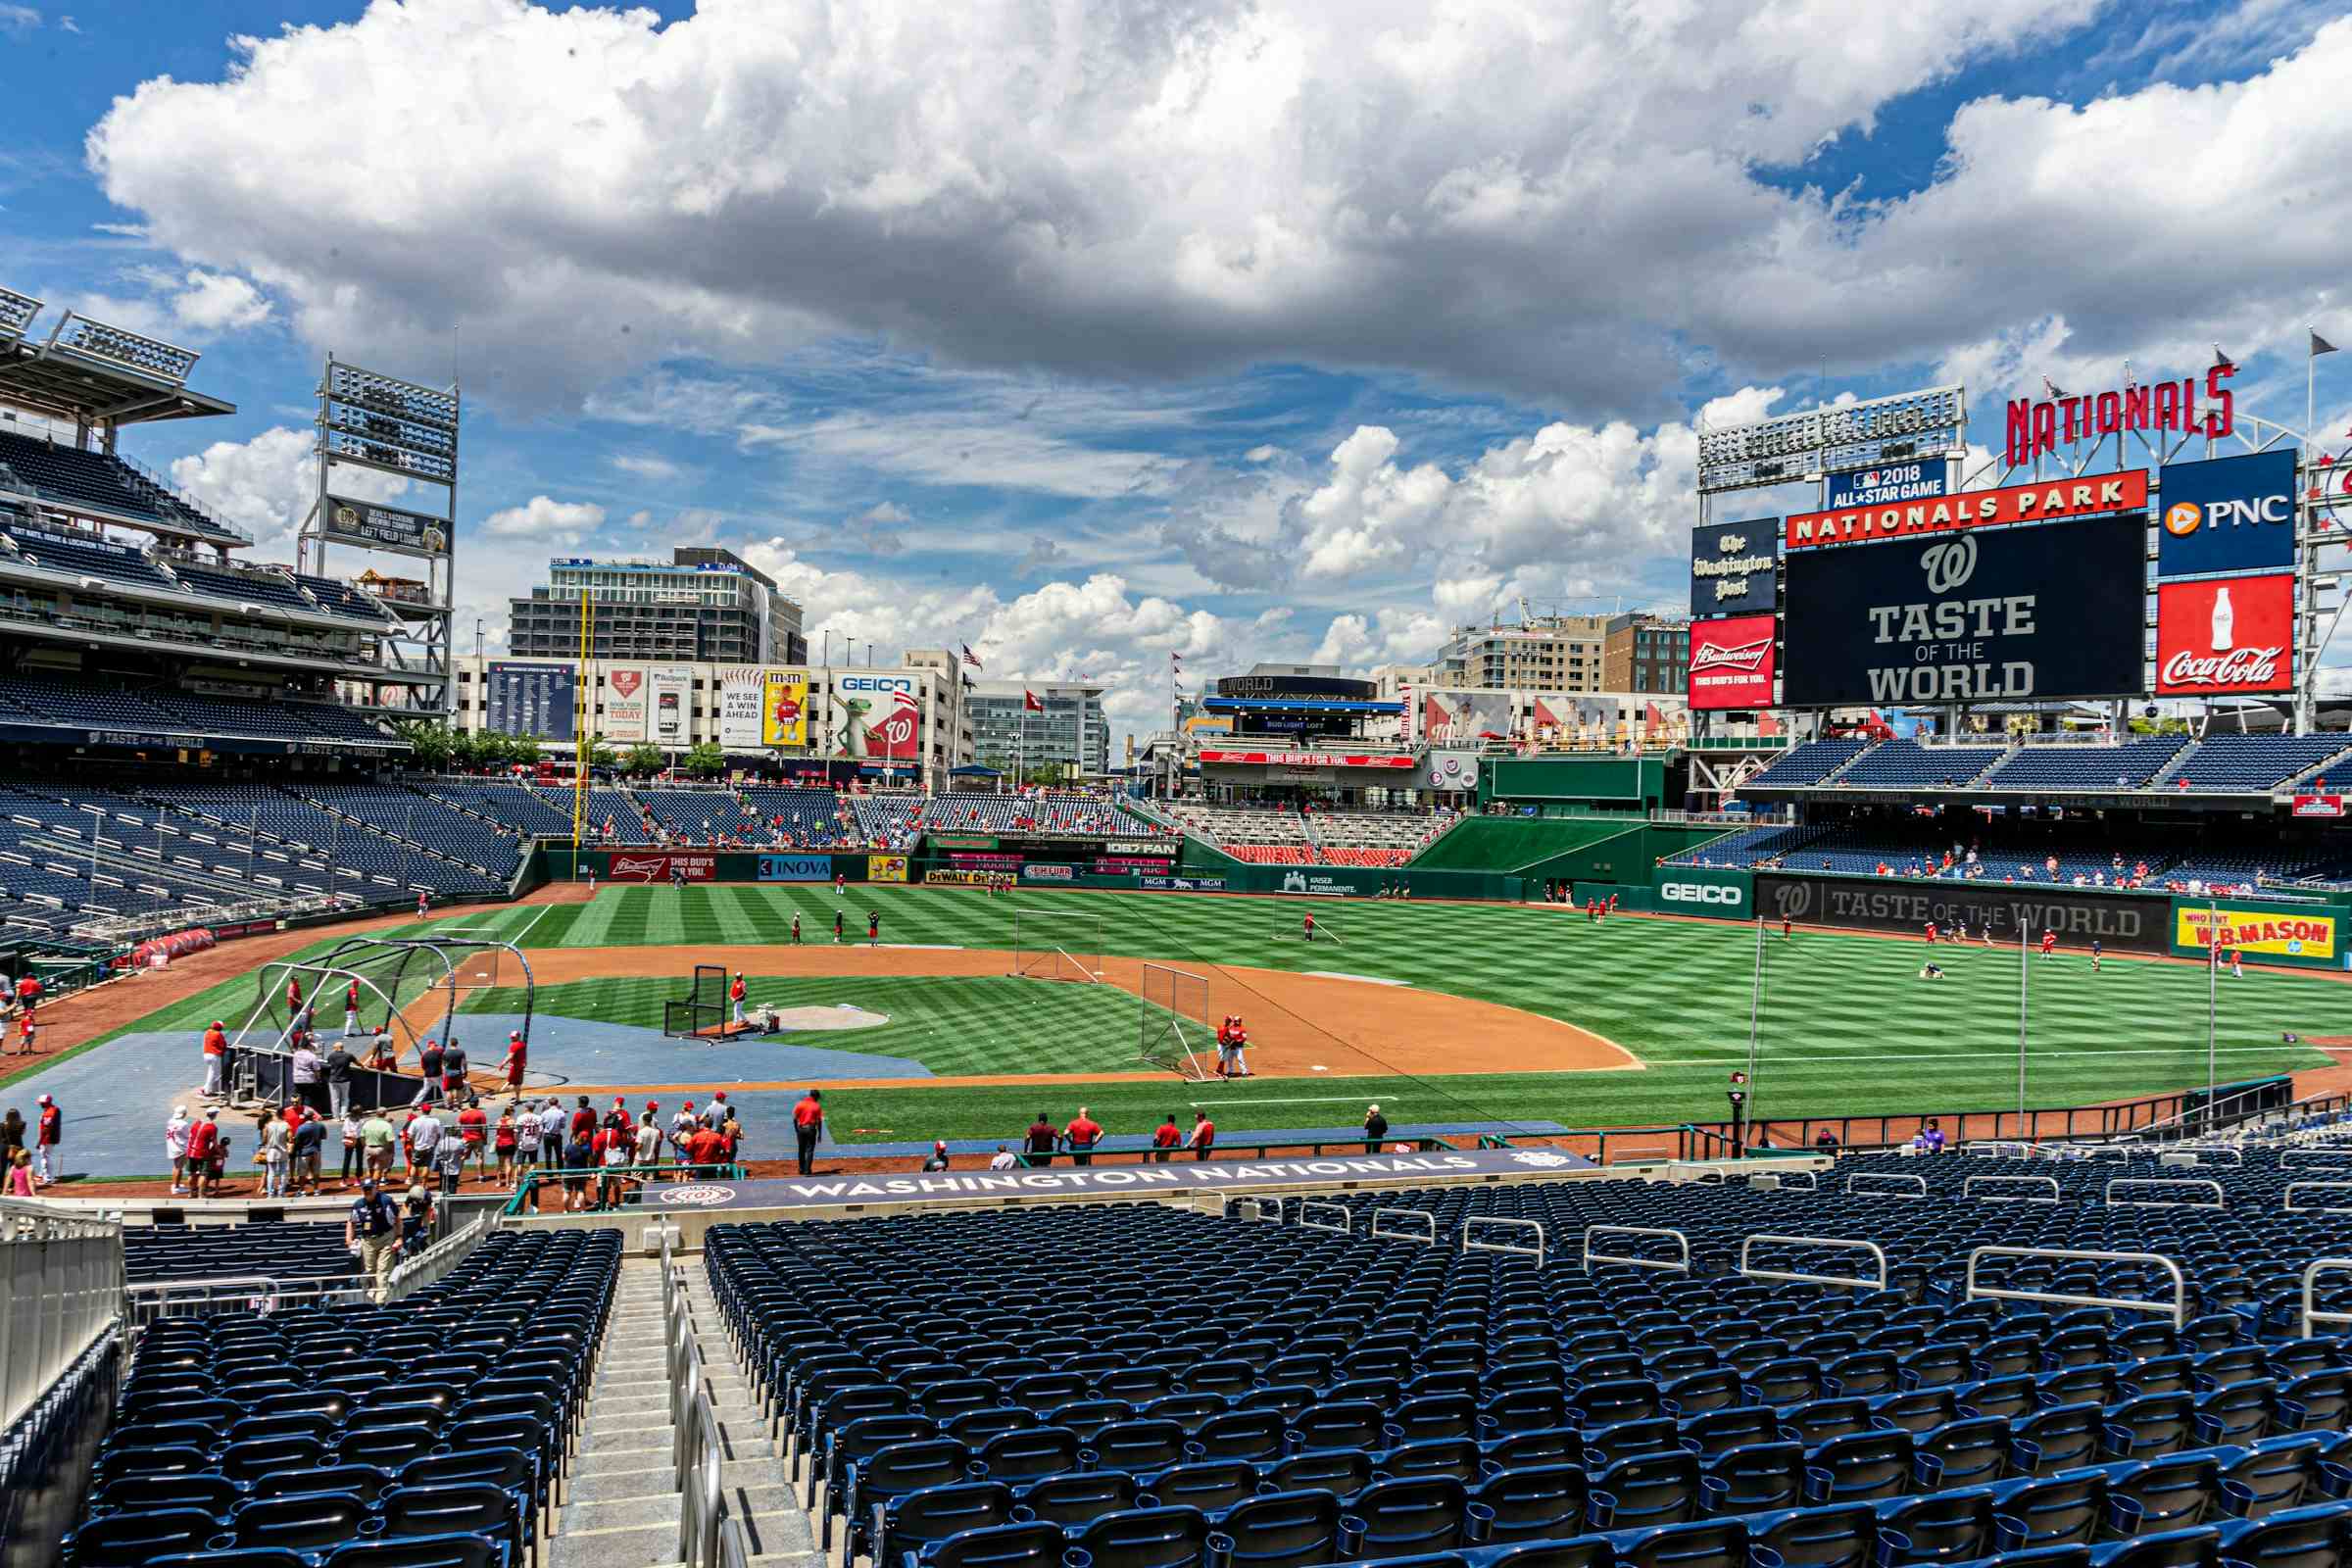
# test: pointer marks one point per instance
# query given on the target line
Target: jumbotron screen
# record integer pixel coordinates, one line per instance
(2006, 614)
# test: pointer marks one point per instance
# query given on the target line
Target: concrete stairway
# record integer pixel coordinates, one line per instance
(621, 1510)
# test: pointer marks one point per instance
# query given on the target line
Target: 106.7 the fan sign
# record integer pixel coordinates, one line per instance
(2227, 636)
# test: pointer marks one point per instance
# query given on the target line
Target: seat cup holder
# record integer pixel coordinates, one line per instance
(1478, 1525)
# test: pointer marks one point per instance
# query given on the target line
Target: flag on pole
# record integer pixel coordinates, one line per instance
(970, 656)
(2318, 343)
(1030, 704)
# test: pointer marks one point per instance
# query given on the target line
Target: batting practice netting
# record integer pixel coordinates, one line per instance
(1057, 944)
(1175, 1032)
(702, 1012)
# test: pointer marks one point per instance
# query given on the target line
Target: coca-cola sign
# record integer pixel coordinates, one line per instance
(2227, 636)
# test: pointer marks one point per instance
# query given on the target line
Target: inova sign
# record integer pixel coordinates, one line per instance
(1714, 896)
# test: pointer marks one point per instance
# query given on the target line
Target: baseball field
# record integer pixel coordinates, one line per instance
(1444, 1013)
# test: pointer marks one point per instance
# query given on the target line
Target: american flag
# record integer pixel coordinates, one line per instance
(970, 656)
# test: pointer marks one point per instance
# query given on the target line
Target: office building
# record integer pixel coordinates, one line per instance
(1548, 653)
(1644, 652)
(699, 605)
(1068, 730)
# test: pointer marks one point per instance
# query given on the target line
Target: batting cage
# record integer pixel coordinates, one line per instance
(1057, 944)
(700, 1013)
(1174, 1031)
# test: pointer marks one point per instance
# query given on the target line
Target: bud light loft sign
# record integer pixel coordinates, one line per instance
(2228, 515)
(1894, 481)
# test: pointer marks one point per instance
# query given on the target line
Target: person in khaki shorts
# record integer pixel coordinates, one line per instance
(373, 1231)
(377, 1140)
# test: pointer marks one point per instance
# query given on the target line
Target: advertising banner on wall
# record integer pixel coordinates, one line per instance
(1733, 568)
(528, 698)
(671, 696)
(1305, 759)
(796, 868)
(1464, 718)
(1730, 663)
(2138, 922)
(1887, 484)
(2319, 804)
(741, 689)
(876, 717)
(2045, 501)
(626, 868)
(1704, 889)
(2227, 515)
(372, 525)
(784, 709)
(2277, 931)
(2025, 612)
(624, 704)
(2225, 636)
(886, 868)
(1447, 770)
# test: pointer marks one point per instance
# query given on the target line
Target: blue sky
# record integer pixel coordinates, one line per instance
(1086, 335)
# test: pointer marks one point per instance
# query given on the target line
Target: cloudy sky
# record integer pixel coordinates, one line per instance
(1085, 332)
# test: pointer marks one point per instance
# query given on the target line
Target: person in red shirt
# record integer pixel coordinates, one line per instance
(2049, 942)
(735, 994)
(1930, 933)
(583, 1119)
(808, 1125)
(48, 1133)
(706, 1151)
(516, 1050)
(1081, 1135)
(294, 995)
(25, 1030)
(204, 1151)
(473, 1125)
(351, 1008)
(216, 1059)
(1165, 1138)
(1202, 1137)
(1307, 925)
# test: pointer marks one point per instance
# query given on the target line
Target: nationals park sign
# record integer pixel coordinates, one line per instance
(1178, 1178)
(2046, 502)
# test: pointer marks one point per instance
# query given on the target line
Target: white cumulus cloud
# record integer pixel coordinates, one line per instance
(556, 522)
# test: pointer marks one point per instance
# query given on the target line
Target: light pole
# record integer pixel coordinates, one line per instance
(2213, 979)
(1756, 1012)
(2022, 968)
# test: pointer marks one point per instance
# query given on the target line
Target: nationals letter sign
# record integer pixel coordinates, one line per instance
(2225, 636)
(1730, 663)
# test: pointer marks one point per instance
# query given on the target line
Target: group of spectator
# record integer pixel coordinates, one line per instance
(31, 1155)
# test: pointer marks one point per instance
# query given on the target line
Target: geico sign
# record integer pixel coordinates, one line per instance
(1700, 893)
(877, 683)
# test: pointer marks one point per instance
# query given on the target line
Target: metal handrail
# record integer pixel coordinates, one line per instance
(701, 1501)
(1782, 1178)
(2108, 1197)
(1469, 1244)
(1429, 1221)
(2178, 1307)
(1921, 1182)
(149, 1299)
(1592, 1257)
(1968, 1187)
(2288, 1198)
(2312, 1315)
(1997, 1149)
(1871, 1247)
(434, 1263)
(1309, 1207)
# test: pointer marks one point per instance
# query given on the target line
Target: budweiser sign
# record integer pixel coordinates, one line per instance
(1305, 759)
(1730, 663)
(660, 867)
(2047, 501)
(2231, 636)
(2037, 426)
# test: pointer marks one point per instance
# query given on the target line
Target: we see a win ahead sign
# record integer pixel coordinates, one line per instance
(2045, 501)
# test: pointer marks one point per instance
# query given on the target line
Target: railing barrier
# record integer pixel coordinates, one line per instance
(1772, 1181)
(2288, 1198)
(1428, 1235)
(153, 1300)
(1471, 1244)
(1968, 1189)
(1997, 1149)
(2312, 1315)
(1308, 1209)
(1592, 1257)
(435, 1261)
(2238, 1155)
(1871, 1247)
(2175, 1183)
(1917, 1189)
(2178, 1307)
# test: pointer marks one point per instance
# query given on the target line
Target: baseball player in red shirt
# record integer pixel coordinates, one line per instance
(735, 994)
(1930, 933)
(1202, 1137)
(2049, 942)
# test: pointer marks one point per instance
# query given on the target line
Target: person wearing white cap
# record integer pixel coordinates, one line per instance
(47, 1135)
(175, 1149)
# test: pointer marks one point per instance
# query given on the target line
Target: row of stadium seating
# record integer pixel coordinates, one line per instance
(2017, 856)
(92, 705)
(2216, 764)
(61, 552)
(1283, 835)
(285, 1251)
(1337, 1393)
(72, 477)
(437, 1431)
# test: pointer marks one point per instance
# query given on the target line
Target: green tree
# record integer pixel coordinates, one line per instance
(601, 755)
(431, 744)
(705, 761)
(645, 759)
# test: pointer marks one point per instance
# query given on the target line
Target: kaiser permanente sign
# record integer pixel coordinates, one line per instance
(1975, 509)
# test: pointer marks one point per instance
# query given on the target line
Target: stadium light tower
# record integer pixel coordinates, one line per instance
(369, 421)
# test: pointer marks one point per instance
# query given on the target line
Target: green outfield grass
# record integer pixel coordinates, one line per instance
(1845, 1025)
